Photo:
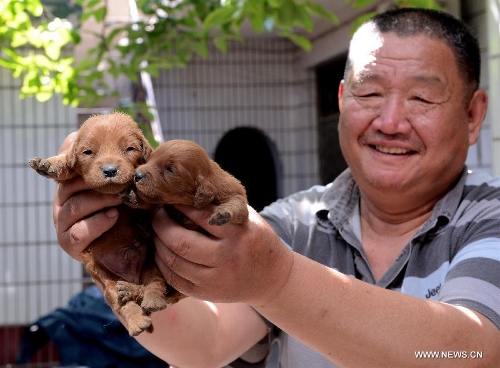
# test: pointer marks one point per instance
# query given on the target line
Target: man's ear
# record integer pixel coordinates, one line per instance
(340, 94)
(476, 113)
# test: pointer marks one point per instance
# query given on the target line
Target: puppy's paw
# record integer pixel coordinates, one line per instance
(42, 166)
(128, 292)
(138, 324)
(153, 303)
(219, 218)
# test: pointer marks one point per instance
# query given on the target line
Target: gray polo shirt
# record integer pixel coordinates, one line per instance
(454, 257)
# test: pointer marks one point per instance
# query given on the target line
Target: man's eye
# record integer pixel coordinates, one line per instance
(420, 99)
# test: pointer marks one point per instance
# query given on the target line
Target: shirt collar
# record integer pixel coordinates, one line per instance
(341, 198)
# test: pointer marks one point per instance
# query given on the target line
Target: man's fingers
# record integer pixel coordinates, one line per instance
(80, 218)
(77, 207)
(67, 189)
(76, 238)
(68, 141)
(197, 248)
(171, 266)
(201, 218)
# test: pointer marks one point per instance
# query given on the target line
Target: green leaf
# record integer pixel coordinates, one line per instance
(429, 4)
(275, 3)
(303, 18)
(257, 22)
(358, 4)
(100, 14)
(92, 3)
(18, 39)
(200, 47)
(221, 44)
(286, 14)
(218, 17)
(35, 8)
(319, 11)
(43, 96)
(299, 40)
(53, 50)
(8, 64)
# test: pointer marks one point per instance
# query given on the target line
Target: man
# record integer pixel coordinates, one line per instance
(398, 256)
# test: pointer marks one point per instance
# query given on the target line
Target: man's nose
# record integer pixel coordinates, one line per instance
(392, 117)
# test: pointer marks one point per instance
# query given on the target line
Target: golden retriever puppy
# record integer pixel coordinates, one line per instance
(180, 172)
(106, 152)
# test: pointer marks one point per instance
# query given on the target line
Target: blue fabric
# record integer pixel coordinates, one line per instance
(87, 333)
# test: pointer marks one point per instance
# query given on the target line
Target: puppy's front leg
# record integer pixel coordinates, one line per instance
(234, 210)
(57, 167)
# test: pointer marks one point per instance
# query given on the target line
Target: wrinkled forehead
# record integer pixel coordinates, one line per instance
(391, 54)
(365, 44)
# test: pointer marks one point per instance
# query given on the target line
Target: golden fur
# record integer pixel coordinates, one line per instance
(180, 172)
(106, 152)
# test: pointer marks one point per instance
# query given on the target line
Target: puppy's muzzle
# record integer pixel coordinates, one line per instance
(110, 171)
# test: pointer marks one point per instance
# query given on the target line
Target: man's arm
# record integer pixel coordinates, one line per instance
(356, 324)
(194, 333)
(350, 322)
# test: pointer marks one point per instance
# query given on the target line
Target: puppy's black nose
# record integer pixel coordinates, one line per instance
(109, 171)
(138, 176)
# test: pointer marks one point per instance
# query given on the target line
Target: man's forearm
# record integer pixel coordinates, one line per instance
(194, 333)
(355, 324)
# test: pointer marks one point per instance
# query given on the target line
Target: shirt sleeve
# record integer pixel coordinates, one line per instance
(473, 279)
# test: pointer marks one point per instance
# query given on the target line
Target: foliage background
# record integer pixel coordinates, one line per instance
(36, 38)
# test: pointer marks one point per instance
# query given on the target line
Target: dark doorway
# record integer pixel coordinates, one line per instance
(250, 156)
(331, 160)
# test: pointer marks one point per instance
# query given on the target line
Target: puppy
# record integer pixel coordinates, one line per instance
(106, 152)
(180, 172)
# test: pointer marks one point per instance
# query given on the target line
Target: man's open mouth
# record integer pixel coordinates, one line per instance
(393, 150)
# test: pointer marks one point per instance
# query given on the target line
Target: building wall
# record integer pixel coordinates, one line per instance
(35, 275)
(474, 13)
(491, 22)
(257, 84)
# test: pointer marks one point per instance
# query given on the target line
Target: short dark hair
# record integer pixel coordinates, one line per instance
(436, 24)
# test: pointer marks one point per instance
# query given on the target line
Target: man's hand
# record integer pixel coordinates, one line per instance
(237, 263)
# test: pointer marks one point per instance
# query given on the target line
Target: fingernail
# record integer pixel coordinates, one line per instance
(111, 212)
(159, 211)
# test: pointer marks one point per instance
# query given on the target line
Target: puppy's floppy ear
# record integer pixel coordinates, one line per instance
(146, 149)
(205, 192)
(72, 156)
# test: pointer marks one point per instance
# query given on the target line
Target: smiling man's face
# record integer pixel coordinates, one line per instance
(403, 123)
